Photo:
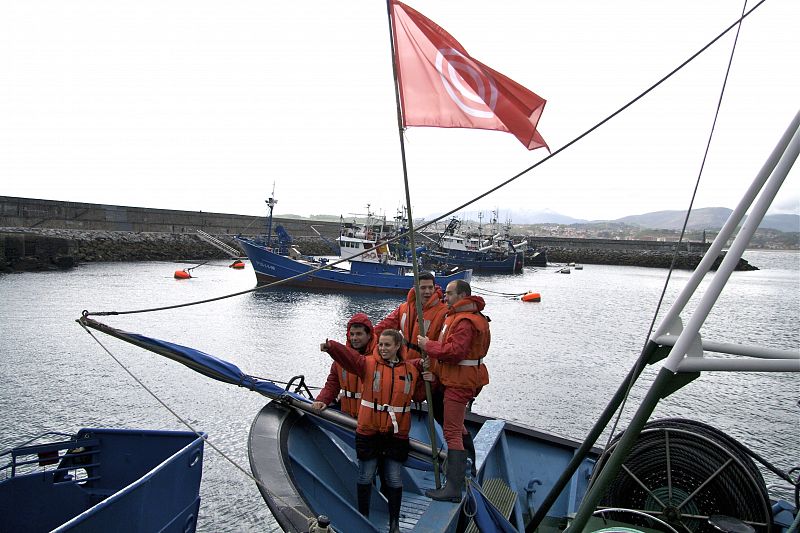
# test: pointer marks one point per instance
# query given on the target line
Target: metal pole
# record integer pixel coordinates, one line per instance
(414, 266)
(271, 203)
(674, 311)
(728, 228)
(667, 374)
(735, 252)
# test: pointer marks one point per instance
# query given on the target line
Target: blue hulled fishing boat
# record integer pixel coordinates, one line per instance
(103, 480)
(379, 275)
(672, 475)
(370, 260)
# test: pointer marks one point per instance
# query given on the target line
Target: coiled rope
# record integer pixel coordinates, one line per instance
(685, 471)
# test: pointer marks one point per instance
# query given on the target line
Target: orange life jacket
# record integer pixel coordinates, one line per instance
(433, 315)
(469, 373)
(349, 391)
(386, 397)
(350, 384)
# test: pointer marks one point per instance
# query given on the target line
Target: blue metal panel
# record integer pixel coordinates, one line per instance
(133, 481)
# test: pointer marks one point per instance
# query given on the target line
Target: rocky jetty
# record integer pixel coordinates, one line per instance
(642, 258)
(47, 249)
(44, 249)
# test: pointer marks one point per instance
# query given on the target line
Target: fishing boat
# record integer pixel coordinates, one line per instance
(103, 480)
(493, 255)
(366, 262)
(378, 275)
(535, 257)
(656, 475)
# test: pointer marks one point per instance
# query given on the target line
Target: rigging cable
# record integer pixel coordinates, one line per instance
(466, 204)
(189, 425)
(641, 361)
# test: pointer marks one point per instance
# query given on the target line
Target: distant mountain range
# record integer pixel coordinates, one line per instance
(711, 218)
(707, 218)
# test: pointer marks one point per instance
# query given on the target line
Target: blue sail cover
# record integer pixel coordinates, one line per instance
(213, 367)
(227, 372)
(487, 517)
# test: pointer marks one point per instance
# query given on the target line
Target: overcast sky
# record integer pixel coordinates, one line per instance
(202, 105)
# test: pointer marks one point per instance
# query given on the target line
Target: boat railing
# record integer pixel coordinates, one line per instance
(68, 461)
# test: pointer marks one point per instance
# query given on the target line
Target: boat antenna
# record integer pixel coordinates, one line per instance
(414, 264)
(271, 204)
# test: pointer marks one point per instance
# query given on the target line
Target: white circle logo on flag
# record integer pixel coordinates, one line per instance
(478, 104)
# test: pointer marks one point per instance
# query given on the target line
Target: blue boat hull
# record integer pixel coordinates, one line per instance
(105, 480)
(307, 469)
(370, 277)
(480, 261)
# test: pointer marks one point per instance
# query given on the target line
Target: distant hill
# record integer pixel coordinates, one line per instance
(781, 222)
(706, 218)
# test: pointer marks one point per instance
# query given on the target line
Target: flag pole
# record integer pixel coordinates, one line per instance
(414, 265)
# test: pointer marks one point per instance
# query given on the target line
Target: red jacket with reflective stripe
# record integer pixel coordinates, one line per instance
(465, 336)
(344, 383)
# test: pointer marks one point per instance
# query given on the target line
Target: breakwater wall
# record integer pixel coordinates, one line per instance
(42, 249)
(43, 234)
(641, 258)
(35, 214)
(24, 249)
(655, 254)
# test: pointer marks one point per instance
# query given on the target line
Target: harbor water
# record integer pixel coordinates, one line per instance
(553, 364)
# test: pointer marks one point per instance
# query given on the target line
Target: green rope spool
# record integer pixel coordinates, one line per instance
(682, 472)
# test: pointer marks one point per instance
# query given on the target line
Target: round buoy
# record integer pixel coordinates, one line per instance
(237, 264)
(182, 274)
(532, 297)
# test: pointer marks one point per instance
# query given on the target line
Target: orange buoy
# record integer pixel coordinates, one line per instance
(237, 264)
(182, 274)
(531, 297)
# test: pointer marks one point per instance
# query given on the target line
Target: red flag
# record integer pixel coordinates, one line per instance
(441, 85)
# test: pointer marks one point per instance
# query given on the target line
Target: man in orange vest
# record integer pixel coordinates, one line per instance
(343, 385)
(404, 318)
(458, 353)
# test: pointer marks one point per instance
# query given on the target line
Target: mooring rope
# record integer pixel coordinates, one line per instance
(480, 290)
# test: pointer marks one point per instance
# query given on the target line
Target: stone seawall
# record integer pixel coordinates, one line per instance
(641, 258)
(43, 249)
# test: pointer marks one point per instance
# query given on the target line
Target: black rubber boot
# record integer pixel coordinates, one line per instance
(456, 468)
(469, 446)
(364, 492)
(395, 501)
